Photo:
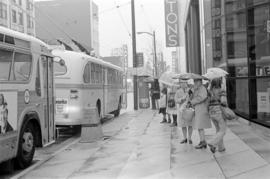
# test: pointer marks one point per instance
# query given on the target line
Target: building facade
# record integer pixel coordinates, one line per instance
(68, 19)
(192, 37)
(18, 15)
(234, 35)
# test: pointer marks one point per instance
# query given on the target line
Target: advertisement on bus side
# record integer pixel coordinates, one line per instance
(8, 112)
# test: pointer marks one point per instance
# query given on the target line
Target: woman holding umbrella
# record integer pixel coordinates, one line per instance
(200, 103)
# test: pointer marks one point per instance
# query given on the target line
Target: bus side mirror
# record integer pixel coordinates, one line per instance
(62, 62)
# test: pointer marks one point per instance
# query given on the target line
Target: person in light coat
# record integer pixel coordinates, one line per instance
(200, 103)
(181, 98)
(217, 99)
(172, 106)
(163, 104)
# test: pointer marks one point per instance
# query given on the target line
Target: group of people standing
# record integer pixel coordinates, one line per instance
(206, 102)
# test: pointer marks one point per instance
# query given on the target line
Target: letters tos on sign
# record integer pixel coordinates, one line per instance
(171, 23)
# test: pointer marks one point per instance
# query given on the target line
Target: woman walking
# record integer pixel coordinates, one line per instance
(163, 104)
(172, 111)
(216, 101)
(181, 98)
(202, 119)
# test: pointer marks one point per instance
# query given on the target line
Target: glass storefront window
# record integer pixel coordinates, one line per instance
(238, 98)
(256, 2)
(236, 21)
(237, 44)
(263, 101)
(234, 5)
(259, 41)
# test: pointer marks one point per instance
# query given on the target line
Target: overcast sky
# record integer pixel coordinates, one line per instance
(115, 28)
(115, 25)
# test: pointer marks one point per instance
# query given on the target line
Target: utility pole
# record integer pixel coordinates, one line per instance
(155, 54)
(135, 85)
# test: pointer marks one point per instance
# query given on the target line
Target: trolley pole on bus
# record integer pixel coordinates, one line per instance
(135, 85)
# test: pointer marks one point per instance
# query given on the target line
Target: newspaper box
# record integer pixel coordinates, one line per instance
(91, 126)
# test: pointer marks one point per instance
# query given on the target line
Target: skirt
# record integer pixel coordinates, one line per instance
(162, 110)
(181, 122)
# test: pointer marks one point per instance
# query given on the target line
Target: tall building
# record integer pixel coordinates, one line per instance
(68, 19)
(181, 63)
(175, 62)
(18, 15)
(234, 35)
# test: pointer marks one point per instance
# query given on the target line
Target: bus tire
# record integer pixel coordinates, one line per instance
(26, 148)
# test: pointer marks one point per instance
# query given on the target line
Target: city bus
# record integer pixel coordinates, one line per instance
(84, 83)
(26, 97)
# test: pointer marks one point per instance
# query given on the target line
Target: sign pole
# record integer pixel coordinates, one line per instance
(135, 82)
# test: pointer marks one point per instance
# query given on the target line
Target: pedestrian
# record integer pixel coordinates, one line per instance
(217, 99)
(163, 104)
(201, 119)
(181, 98)
(156, 92)
(172, 110)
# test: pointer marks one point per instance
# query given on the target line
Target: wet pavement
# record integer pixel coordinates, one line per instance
(138, 146)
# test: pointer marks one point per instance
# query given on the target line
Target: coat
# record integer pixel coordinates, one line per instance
(200, 103)
(181, 101)
(171, 96)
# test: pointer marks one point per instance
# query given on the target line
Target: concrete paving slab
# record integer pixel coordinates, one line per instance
(208, 169)
(240, 162)
(260, 173)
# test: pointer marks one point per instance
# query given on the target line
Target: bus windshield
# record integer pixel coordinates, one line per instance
(59, 69)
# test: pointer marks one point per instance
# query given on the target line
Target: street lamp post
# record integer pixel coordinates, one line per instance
(155, 53)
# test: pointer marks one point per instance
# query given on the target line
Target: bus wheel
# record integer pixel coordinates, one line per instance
(26, 148)
(117, 112)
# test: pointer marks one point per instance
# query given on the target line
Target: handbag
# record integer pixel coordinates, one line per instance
(188, 114)
(227, 113)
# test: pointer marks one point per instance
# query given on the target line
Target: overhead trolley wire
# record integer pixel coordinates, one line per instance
(122, 19)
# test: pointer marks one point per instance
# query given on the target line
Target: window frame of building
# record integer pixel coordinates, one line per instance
(20, 18)
(14, 16)
(3, 10)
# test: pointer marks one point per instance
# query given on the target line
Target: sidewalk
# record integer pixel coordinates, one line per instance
(140, 147)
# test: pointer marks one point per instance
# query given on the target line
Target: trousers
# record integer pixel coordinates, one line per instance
(220, 125)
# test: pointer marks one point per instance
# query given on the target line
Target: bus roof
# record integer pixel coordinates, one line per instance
(83, 56)
(22, 36)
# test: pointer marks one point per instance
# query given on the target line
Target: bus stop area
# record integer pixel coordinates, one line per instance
(136, 145)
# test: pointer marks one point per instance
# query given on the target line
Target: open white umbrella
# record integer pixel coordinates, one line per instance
(217, 71)
(187, 76)
(167, 78)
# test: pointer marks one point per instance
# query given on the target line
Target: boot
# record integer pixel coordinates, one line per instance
(212, 148)
(201, 145)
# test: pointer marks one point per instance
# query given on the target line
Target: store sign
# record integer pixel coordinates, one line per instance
(263, 102)
(171, 23)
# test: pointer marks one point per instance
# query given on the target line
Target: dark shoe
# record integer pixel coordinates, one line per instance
(212, 148)
(164, 121)
(183, 141)
(190, 141)
(223, 150)
(169, 121)
(201, 145)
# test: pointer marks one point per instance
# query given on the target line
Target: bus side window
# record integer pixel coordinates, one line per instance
(86, 74)
(38, 86)
(22, 66)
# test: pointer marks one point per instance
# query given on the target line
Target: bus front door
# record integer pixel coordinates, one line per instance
(49, 97)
